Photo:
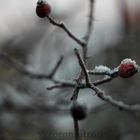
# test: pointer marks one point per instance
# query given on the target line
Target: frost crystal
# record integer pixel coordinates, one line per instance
(128, 61)
(102, 68)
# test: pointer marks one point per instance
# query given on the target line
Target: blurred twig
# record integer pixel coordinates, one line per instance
(89, 29)
(83, 67)
(22, 69)
(51, 75)
(90, 25)
(76, 129)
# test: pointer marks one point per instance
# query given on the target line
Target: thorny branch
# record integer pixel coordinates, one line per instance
(83, 67)
(101, 94)
(89, 29)
(85, 47)
(70, 34)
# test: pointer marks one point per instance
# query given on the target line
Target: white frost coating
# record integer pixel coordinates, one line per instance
(128, 61)
(102, 68)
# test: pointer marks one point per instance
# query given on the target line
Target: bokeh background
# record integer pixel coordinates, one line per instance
(27, 110)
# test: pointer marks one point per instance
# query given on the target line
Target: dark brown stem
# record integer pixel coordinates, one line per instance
(63, 26)
(90, 22)
(86, 38)
(76, 129)
(22, 69)
(89, 30)
(83, 66)
(119, 104)
(56, 67)
(111, 73)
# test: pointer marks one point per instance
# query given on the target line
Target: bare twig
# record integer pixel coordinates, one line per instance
(111, 73)
(56, 67)
(63, 26)
(22, 69)
(81, 62)
(66, 84)
(90, 22)
(119, 104)
(61, 84)
(76, 129)
(86, 38)
(93, 72)
(83, 66)
(102, 81)
(89, 30)
(75, 94)
(19, 66)
(87, 78)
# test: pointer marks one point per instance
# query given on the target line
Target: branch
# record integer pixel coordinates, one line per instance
(89, 30)
(76, 129)
(22, 69)
(75, 94)
(51, 75)
(90, 22)
(87, 78)
(102, 81)
(85, 48)
(83, 66)
(62, 26)
(119, 104)
(112, 73)
(66, 84)
(61, 84)
(101, 94)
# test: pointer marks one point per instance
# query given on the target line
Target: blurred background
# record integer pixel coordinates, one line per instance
(27, 110)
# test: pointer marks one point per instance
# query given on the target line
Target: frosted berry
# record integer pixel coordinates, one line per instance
(78, 111)
(43, 9)
(127, 68)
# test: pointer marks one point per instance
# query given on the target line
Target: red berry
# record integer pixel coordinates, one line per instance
(127, 68)
(43, 9)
